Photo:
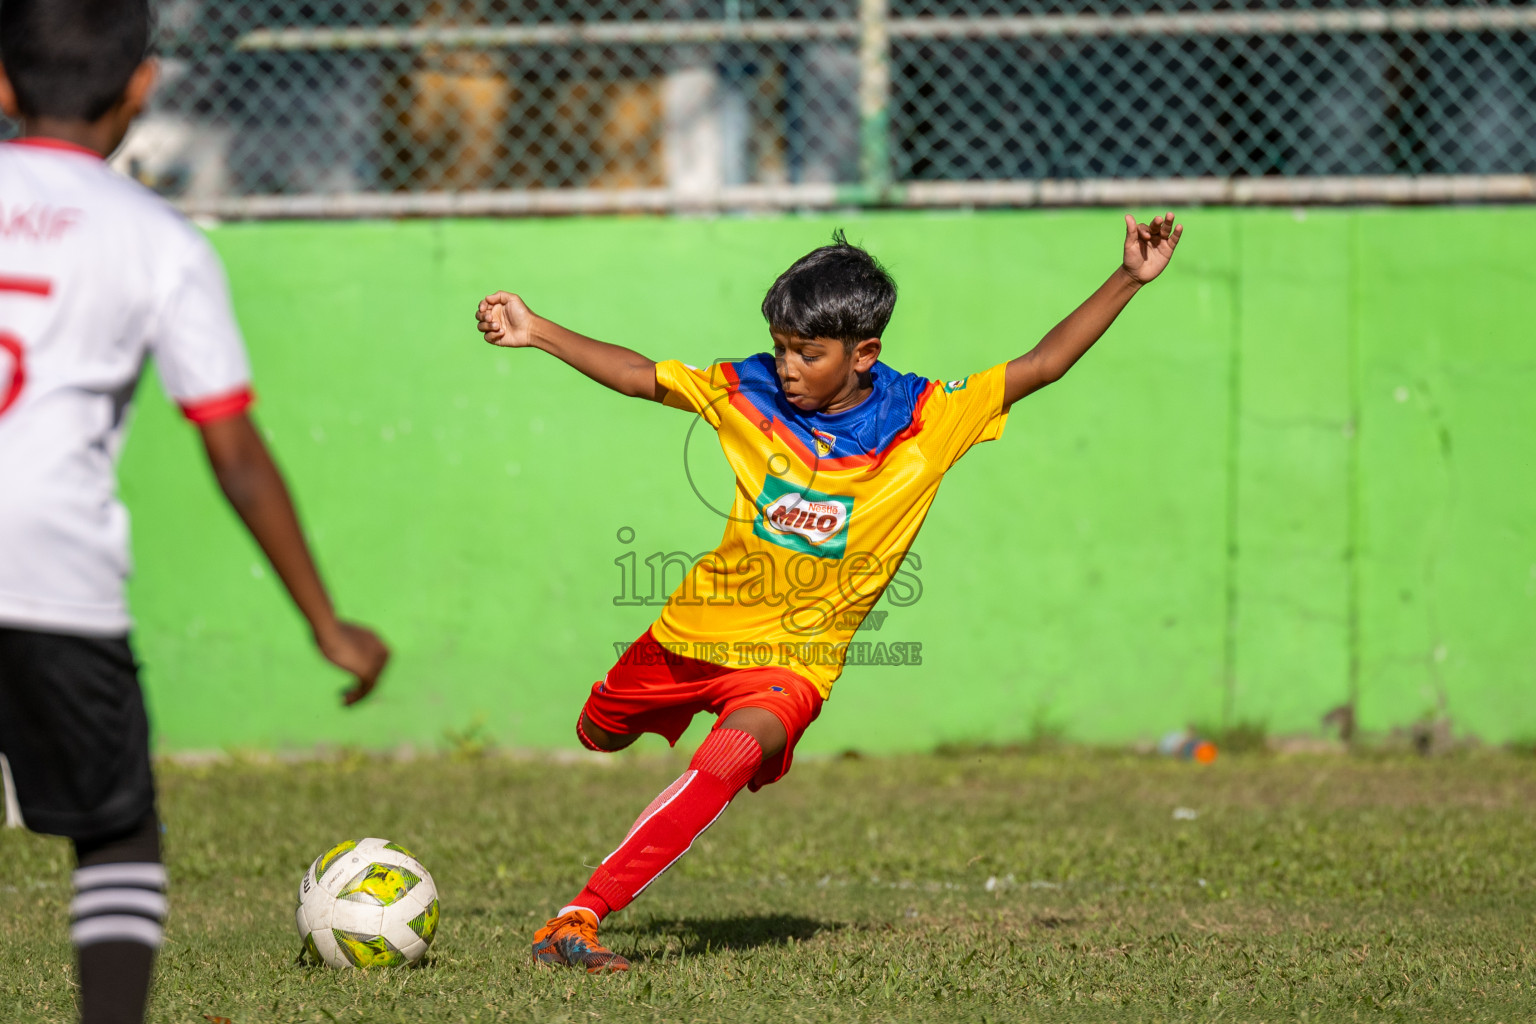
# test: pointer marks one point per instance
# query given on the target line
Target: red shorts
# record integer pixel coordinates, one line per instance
(650, 689)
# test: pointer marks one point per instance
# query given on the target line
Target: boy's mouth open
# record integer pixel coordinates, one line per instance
(803, 402)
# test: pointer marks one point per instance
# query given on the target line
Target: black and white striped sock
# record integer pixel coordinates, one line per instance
(118, 903)
(117, 922)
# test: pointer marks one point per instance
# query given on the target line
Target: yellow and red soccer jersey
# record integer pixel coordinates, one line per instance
(825, 509)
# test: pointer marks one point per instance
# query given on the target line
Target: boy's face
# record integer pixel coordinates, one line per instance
(822, 374)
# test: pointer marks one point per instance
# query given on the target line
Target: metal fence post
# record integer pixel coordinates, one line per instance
(874, 100)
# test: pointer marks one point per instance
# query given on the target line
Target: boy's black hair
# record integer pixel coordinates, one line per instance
(71, 59)
(838, 291)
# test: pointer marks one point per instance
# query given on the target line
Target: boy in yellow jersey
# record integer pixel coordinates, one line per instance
(837, 459)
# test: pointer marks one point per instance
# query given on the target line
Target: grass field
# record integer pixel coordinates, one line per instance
(967, 887)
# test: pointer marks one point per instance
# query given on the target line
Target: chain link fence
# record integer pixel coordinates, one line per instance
(346, 107)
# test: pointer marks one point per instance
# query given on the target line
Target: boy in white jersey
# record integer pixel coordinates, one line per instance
(96, 275)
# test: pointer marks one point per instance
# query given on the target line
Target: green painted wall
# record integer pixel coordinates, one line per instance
(1297, 468)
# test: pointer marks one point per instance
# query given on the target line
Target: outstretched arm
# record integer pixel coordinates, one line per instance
(1148, 248)
(507, 321)
(255, 488)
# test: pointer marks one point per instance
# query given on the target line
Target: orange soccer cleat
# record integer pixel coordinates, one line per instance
(570, 940)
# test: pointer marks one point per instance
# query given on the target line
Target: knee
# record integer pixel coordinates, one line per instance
(595, 737)
(763, 726)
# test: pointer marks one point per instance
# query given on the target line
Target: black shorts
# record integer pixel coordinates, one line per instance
(73, 727)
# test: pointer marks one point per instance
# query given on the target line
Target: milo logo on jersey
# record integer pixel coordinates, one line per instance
(802, 519)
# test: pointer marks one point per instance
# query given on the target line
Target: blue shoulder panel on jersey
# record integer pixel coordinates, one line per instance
(866, 429)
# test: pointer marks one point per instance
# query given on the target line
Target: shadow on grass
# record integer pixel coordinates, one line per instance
(713, 934)
(1051, 922)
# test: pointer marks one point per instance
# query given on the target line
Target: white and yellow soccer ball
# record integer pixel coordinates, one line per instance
(367, 903)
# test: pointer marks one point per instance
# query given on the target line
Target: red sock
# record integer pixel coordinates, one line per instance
(723, 764)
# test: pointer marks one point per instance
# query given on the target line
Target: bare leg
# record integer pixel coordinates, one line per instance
(763, 726)
(594, 735)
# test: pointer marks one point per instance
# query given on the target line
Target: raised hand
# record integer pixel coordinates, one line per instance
(1149, 247)
(357, 650)
(505, 320)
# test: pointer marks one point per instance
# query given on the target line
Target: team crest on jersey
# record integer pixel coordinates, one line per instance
(824, 441)
(802, 519)
(957, 385)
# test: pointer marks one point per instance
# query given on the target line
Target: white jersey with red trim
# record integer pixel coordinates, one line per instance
(96, 274)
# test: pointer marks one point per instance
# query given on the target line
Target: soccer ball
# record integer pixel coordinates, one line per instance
(367, 904)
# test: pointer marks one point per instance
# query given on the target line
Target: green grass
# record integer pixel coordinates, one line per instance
(968, 887)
